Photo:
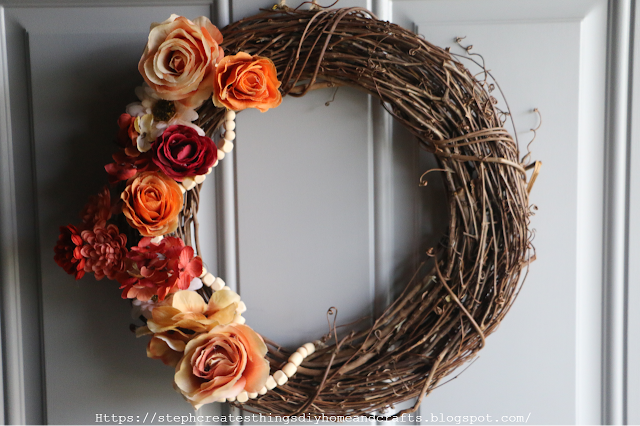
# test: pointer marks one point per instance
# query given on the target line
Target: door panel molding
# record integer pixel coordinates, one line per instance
(22, 313)
(633, 263)
(616, 219)
(10, 344)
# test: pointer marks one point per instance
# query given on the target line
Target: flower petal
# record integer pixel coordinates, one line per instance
(189, 301)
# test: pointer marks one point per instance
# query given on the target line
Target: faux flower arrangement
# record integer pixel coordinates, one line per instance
(163, 154)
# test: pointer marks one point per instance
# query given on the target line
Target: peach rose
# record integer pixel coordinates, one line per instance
(244, 81)
(151, 203)
(221, 364)
(179, 58)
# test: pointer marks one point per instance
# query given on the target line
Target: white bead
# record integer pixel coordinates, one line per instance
(220, 154)
(204, 272)
(243, 397)
(222, 400)
(156, 240)
(226, 287)
(228, 146)
(208, 279)
(232, 399)
(182, 188)
(188, 183)
(263, 390)
(217, 284)
(242, 308)
(253, 395)
(211, 168)
(270, 383)
(309, 347)
(229, 135)
(200, 178)
(239, 319)
(296, 358)
(229, 125)
(302, 351)
(289, 369)
(280, 377)
(230, 115)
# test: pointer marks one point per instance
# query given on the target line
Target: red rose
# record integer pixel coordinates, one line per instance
(180, 152)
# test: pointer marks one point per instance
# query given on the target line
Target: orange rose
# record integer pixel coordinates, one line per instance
(152, 202)
(179, 58)
(221, 364)
(244, 81)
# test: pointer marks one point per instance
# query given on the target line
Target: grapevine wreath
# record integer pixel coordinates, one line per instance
(142, 229)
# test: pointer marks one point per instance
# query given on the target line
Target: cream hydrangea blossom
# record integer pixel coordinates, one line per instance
(154, 114)
(144, 308)
(184, 315)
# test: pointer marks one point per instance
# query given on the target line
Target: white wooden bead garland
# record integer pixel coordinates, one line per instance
(280, 377)
(156, 240)
(225, 147)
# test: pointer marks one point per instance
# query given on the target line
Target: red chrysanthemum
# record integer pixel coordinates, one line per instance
(105, 251)
(68, 251)
(98, 209)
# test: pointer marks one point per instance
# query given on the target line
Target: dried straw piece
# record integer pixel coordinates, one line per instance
(445, 313)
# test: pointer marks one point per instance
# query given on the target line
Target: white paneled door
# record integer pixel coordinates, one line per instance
(317, 207)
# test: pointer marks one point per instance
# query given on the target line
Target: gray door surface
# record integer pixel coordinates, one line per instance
(318, 206)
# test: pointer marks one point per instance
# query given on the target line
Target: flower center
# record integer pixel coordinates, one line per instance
(163, 110)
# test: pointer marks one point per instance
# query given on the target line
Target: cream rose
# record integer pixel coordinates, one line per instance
(221, 364)
(179, 58)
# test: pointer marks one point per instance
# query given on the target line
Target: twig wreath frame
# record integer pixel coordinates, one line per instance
(441, 319)
(456, 298)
